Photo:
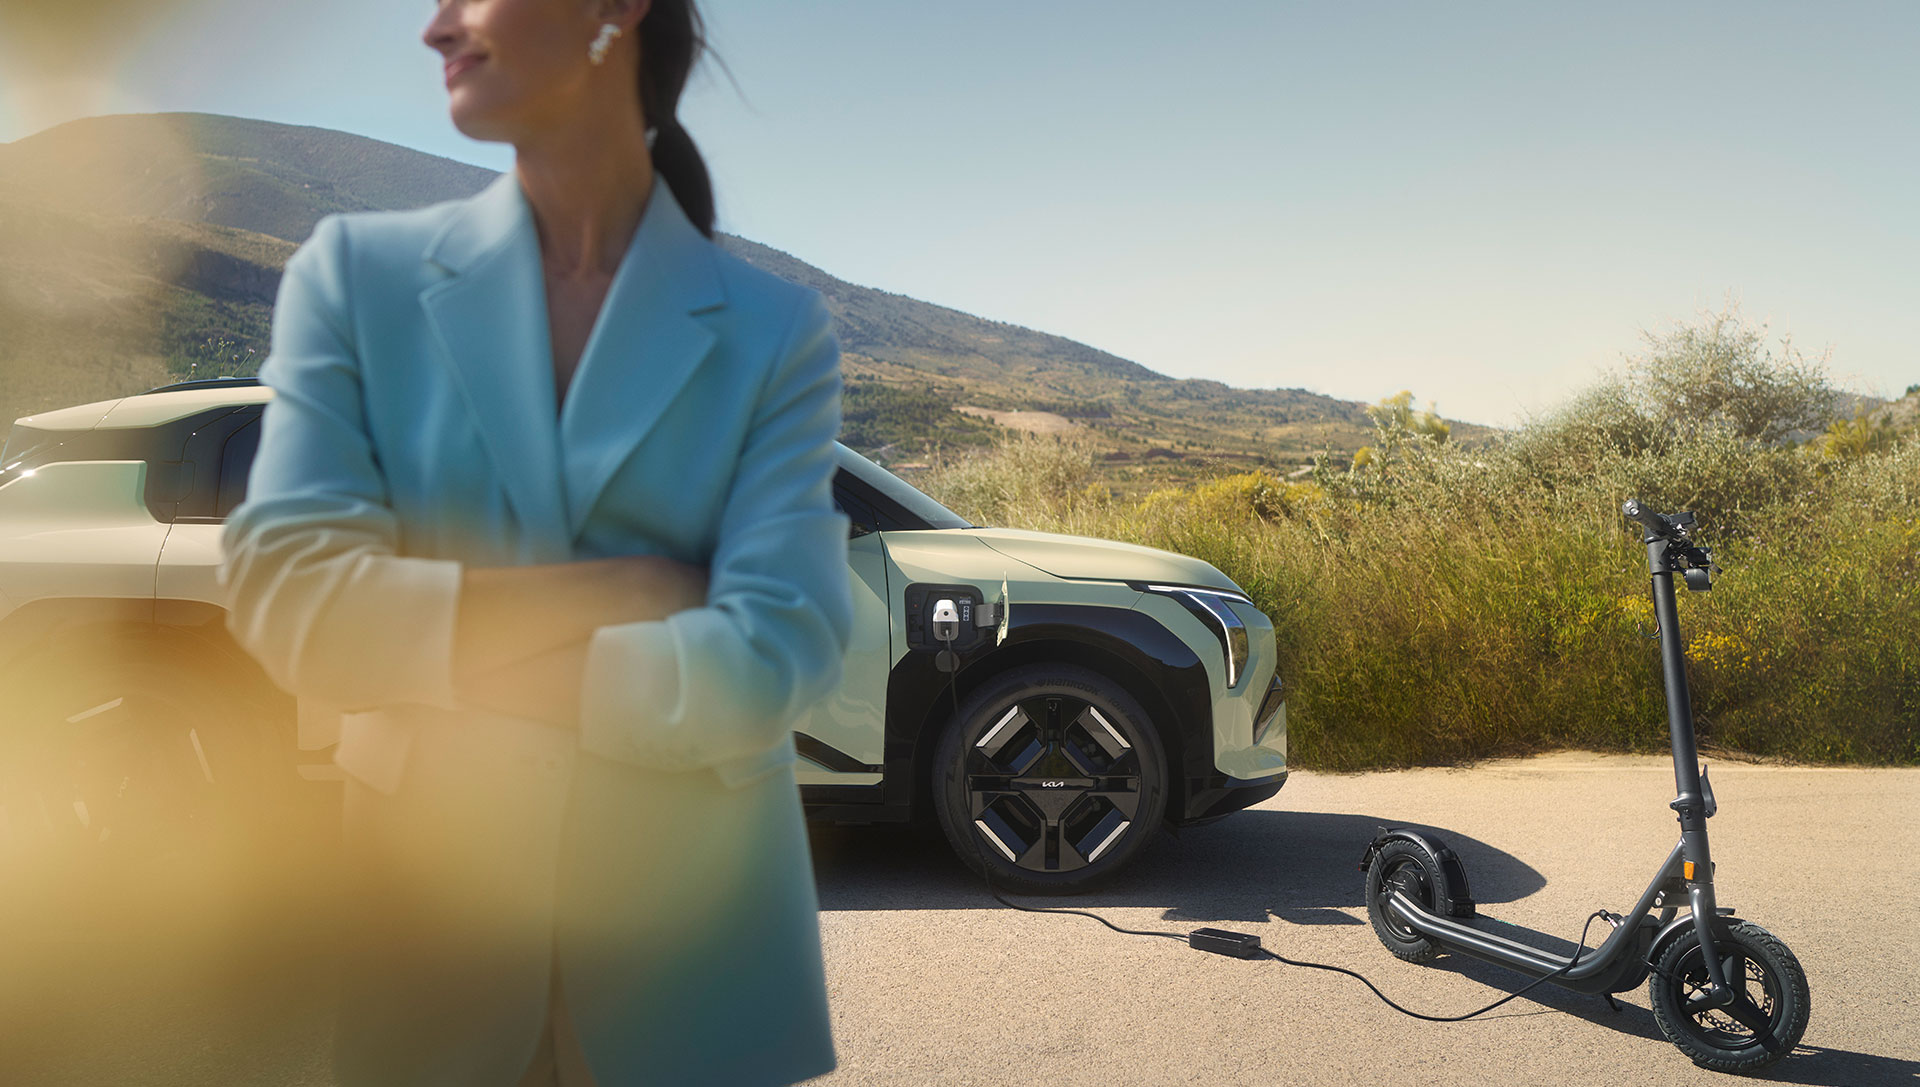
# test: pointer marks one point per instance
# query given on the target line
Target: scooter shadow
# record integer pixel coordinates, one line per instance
(1298, 867)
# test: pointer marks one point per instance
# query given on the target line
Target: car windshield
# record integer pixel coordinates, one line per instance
(21, 441)
(900, 491)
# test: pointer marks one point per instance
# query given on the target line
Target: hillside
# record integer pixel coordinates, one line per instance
(179, 277)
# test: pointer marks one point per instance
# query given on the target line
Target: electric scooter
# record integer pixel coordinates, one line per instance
(1726, 991)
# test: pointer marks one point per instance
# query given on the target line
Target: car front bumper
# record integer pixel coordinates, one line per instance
(1213, 798)
(1254, 769)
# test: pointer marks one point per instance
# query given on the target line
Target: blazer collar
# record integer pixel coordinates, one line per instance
(490, 315)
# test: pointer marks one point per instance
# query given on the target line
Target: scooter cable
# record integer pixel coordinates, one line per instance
(1384, 998)
(1388, 1001)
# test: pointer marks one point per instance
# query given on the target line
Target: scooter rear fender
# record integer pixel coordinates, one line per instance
(1451, 894)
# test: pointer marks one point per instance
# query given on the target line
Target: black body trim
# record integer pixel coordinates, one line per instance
(1154, 664)
(843, 803)
(208, 383)
(831, 757)
(1219, 796)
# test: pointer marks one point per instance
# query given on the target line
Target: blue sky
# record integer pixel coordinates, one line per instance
(1484, 203)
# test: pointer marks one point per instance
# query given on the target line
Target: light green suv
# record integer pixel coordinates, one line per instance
(1051, 700)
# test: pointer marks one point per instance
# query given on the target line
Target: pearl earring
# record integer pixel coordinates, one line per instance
(597, 52)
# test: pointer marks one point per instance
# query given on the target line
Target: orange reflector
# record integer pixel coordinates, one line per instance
(1686, 867)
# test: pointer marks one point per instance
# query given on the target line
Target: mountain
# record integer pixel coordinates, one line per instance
(257, 176)
(138, 248)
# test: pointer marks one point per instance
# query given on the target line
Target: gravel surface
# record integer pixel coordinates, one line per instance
(217, 972)
(935, 983)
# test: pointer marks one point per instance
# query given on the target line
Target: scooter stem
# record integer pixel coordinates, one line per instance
(1691, 802)
(1673, 664)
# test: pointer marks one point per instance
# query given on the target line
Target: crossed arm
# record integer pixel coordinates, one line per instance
(521, 632)
(651, 664)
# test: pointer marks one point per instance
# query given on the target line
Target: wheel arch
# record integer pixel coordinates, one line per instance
(1150, 663)
(187, 633)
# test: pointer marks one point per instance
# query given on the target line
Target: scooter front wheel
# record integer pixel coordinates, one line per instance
(1770, 1009)
(1402, 866)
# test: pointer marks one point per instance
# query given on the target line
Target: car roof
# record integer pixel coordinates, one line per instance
(148, 409)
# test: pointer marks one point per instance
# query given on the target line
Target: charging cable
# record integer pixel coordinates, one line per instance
(1243, 945)
(1240, 945)
(946, 628)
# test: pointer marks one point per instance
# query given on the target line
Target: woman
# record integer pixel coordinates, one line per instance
(543, 500)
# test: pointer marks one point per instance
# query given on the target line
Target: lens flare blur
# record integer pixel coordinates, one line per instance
(86, 258)
(148, 863)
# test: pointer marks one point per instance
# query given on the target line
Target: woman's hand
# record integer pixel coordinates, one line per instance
(521, 631)
(634, 588)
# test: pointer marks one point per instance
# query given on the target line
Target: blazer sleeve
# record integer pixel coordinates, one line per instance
(314, 588)
(725, 681)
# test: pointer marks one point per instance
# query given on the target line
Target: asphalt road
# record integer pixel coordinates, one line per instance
(215, 975)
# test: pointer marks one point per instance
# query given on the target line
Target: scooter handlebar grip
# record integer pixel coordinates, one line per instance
(1656, 524)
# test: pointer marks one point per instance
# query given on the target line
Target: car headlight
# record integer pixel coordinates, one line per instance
(1211, 607)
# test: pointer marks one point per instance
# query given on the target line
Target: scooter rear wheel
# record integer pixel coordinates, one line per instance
(1772, 993)
(1402, 865)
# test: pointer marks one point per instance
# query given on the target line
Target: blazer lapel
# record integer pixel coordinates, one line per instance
(491, 319)
(645, 345)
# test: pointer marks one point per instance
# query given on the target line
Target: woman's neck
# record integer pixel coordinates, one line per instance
(588, 186)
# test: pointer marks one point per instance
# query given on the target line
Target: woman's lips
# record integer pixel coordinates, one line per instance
(462, 63)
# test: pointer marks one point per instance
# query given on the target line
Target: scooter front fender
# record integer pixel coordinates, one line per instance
(1682, 925)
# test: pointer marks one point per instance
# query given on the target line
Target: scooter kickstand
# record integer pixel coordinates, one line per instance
(1611, 1002)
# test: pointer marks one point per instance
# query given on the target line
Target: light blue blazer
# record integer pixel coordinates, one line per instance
(658, 852)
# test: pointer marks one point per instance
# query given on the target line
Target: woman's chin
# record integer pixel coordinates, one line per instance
(476, 122)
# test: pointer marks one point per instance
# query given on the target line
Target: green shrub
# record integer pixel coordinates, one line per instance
(1020, 479)
(1444, 604)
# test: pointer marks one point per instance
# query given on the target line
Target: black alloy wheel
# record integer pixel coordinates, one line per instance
(1769, 1011)
(1049, 779)
(113, 759)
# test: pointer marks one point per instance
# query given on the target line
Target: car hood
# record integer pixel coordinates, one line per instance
(1087, 558)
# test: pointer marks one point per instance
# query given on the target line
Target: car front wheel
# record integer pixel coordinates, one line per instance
(1049, 779)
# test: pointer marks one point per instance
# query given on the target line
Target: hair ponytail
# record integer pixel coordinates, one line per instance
(672, 37)
(678, 160)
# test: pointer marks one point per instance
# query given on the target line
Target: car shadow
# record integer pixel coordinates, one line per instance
(1302, 867)
(1297, 867)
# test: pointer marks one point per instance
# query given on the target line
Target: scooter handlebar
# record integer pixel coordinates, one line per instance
(1654, 523)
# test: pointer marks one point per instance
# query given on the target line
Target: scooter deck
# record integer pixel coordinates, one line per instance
(1480, 935)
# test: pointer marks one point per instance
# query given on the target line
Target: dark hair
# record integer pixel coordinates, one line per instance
(672, 37)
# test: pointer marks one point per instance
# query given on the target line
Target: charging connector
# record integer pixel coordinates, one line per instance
(946, 621)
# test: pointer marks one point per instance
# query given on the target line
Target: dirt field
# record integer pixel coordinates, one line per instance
(1033, 422)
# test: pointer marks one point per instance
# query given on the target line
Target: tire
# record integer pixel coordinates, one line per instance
(119, 754)
(1401, 863)
(1049, 779)
(1767, 974)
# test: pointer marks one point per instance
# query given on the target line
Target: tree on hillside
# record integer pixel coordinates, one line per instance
(1861, 436)
(1397, 426)
(1395, 418)
(1719, 372)
(1717, 375)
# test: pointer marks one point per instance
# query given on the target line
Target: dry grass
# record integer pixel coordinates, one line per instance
(1450, 605)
